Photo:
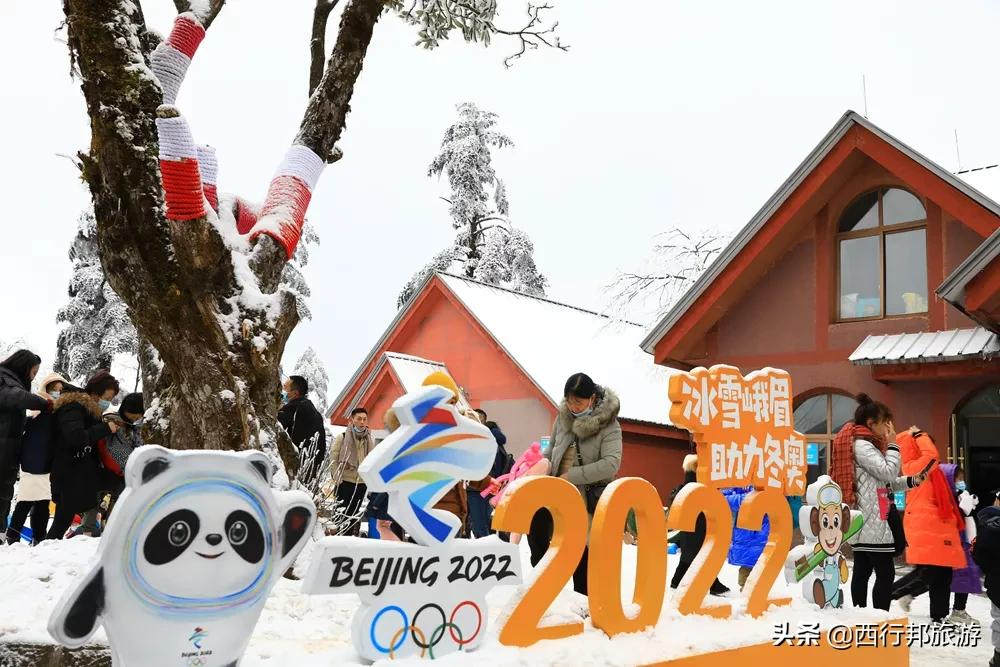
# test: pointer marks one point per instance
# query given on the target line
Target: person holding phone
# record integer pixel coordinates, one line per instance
(866, 464)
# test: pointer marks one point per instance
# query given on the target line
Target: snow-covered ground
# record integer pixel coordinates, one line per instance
(305, 631)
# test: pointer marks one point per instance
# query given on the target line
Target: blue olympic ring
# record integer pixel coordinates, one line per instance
(371, 630)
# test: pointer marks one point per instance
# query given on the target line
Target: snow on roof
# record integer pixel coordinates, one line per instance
(409, 370)
(550, 341)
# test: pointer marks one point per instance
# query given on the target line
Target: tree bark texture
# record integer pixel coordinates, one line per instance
(211, 387)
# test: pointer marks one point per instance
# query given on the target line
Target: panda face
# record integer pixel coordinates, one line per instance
(210, 541)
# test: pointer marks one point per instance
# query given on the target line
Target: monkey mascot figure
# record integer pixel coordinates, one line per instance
(828, 522)
(196, 543)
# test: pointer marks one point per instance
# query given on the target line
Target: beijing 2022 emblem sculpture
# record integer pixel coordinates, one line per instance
(429, 598)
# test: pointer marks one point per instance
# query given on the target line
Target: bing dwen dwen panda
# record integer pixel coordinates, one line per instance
(194, 546)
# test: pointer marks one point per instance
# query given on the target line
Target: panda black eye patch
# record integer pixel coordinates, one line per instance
(245, 535)
(170, 537)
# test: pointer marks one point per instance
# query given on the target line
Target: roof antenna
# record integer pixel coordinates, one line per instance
(864, 91)
(957, 154)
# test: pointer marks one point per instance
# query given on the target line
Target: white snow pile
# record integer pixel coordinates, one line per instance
(310, 631)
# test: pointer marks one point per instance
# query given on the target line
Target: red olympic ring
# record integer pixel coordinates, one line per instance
(479, 623)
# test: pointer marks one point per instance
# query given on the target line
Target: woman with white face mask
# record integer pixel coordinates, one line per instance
(586, 450)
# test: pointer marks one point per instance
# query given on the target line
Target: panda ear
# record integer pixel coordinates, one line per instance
(298, 518)
(261, 465)
(146, 463)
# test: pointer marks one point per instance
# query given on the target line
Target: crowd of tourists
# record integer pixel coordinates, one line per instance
(68, 449)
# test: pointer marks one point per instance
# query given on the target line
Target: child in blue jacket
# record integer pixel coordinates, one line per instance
(747, 545)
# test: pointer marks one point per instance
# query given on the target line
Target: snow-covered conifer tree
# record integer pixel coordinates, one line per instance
(311, 367)
(486, 247)
(97, 321)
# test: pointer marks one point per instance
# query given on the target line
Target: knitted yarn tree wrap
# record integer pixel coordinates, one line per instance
(189, 173)
(209, 167)
(171, 59)
(284, 211)
(179, 170)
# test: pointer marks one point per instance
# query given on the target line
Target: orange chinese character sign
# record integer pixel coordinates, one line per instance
(742, 427)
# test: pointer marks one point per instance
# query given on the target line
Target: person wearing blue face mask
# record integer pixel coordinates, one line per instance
(115, 451)
(78, 478)
(34, 491)
(586, 450)
(349, 450)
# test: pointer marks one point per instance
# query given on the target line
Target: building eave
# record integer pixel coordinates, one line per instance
(752, 228)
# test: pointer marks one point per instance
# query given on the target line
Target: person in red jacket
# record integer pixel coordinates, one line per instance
(932, 524)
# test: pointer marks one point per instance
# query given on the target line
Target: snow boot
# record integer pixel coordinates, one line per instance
(718, 588)
(905, 602)
(961, 617)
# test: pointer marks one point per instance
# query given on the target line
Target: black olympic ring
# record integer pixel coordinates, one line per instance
(447, 624)
(433, 642)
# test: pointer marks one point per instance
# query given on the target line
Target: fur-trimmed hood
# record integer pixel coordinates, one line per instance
(690, 463)
(605, 411)
(88, 402)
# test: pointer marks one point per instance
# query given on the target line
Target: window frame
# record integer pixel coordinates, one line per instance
(879, 231)
(826, 438)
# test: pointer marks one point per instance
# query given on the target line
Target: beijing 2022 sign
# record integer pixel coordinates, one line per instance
(429, 598)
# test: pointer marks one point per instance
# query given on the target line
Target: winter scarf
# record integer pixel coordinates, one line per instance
(944, 498)
(842, 463)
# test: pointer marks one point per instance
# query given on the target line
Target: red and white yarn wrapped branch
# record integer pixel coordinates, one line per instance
(190, 173)
(171, 59)
(209, 167)
(179, 170)
(284, 211)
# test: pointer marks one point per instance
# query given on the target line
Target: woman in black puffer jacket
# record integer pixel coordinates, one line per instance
(77, 475)
(16, 373)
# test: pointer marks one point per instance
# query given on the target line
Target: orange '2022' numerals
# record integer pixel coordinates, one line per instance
(604, 584)
(772, 503)
(569, 538)
(693, 500)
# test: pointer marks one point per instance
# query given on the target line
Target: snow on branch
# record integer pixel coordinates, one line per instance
(477, 21)
(675, 263)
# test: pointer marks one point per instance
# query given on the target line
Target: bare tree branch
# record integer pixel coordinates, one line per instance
(675, 263)
(534, 34)
(317, 45)
(206, 18)
(326, 114)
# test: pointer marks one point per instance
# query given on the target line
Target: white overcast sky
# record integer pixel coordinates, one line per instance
(668, 113)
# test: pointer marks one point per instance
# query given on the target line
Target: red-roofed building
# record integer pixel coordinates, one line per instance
(870, 269)
(511, 354)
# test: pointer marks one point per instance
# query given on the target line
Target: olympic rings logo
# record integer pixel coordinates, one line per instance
(412, 629)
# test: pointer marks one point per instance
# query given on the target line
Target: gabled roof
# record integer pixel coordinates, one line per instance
(408, 370)
(953, 287)
(549, 341)
(927, 348)
(848, 121)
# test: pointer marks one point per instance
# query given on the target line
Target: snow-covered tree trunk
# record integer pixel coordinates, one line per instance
(204, 277)
(213, 366)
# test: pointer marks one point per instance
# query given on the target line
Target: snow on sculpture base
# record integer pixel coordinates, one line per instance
(823, 655)
(298, 630)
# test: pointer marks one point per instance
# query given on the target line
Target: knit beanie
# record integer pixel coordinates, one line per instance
(133, 404)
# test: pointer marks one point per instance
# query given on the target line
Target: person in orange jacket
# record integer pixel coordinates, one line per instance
(932, 524)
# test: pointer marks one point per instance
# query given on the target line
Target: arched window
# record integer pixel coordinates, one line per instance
(819, 418)
(882, 256)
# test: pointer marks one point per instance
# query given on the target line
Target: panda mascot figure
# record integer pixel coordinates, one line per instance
(194, 547)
